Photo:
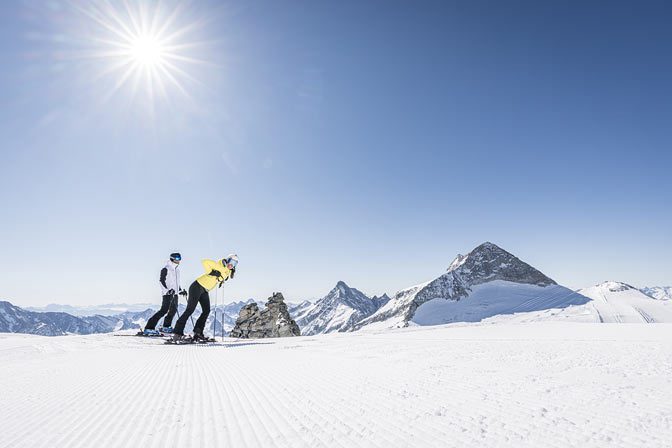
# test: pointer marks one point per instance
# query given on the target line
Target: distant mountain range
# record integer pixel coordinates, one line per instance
(17, 320)
(487, 284)
(14, 319)
(108, 309)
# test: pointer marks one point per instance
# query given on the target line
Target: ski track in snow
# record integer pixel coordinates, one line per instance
(523, 385)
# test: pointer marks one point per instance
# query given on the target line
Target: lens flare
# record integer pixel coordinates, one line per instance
(144, 47)
(147, 50)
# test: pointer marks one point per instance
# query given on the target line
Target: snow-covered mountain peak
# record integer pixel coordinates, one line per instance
(615, 286)
(339, 310)
(342, 293)
(485, 264)
(489, 262)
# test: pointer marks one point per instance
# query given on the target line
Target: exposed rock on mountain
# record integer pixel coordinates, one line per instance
(339, 310)
(380, 301)
(272, 322)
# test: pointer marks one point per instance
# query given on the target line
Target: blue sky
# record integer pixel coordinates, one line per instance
(321, 141)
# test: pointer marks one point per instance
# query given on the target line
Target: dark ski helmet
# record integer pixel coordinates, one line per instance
(175, 256)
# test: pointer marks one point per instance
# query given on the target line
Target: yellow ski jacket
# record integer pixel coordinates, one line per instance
(208, 281)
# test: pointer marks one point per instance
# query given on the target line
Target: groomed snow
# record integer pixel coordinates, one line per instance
(621, 303)
(523, 385)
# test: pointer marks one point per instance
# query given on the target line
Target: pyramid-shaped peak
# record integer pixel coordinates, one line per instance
(486, 249)
(488, 262)
(488, 245)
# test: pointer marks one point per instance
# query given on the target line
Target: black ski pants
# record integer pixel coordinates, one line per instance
(169, 305)
(197, 294)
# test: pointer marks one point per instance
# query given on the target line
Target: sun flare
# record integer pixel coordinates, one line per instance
(145, 47)
(147, 50)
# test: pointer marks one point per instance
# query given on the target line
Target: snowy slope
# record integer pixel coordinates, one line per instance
(485, 264)
(495, 299)
(658, 292)
(502, 302)
(620, 302)
(536, 385)
(339, 310)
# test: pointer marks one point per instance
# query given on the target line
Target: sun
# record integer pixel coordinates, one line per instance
(147, 51)
(145, 47)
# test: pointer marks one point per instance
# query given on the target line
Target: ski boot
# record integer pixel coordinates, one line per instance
(179, 339)
(166, 329)
(150, 332)
(199, 338)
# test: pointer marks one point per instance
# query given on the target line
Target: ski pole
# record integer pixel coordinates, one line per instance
(223, 313)
(214, 324)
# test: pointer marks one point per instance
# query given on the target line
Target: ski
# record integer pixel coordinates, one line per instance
(189, 340)
(142, 334)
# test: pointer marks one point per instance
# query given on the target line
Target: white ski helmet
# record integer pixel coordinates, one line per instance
(231, 259)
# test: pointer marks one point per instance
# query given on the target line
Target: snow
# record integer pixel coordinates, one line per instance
(496, 298)
(620, 302)
(500, 301)
(522, 385)
(658, 292)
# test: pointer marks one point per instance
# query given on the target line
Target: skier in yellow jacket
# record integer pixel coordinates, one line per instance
(216, 273)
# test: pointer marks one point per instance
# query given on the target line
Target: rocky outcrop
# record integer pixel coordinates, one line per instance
(273, 321)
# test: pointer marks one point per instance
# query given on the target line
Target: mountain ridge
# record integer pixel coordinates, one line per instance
(339, 310)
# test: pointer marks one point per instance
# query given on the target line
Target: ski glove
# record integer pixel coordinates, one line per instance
(215, 273)
(233, 272)
(183, 292)
(170, 292)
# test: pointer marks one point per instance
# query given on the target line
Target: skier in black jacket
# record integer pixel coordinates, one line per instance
(170, 287)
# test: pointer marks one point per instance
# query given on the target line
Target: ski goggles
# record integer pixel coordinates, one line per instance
(233, 263)
(178, 258)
